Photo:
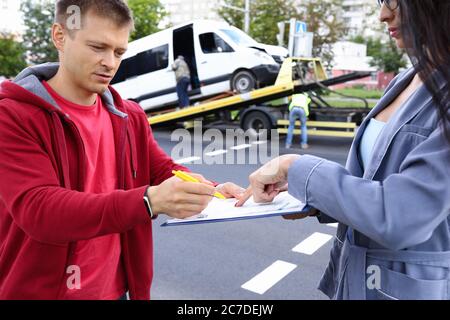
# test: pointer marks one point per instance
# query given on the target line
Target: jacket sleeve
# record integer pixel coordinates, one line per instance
(322, 217)
(399, 212)
(175, 65)
(46, 212)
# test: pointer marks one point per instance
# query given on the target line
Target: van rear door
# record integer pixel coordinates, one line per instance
(183, 44)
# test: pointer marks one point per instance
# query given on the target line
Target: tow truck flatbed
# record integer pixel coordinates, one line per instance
(284, 86)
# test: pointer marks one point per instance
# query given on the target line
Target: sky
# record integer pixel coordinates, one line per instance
(10, 16)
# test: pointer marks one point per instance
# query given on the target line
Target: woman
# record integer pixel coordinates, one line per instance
(393, 198)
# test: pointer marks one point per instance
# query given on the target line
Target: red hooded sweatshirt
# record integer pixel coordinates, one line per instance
(43, 209)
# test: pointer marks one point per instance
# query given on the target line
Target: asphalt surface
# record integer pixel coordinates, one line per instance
(223, 260)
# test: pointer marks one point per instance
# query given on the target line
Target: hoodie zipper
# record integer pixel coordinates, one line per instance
(83, 148)
(122, 138)
(62, 148)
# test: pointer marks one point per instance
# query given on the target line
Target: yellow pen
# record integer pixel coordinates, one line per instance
(186, 177)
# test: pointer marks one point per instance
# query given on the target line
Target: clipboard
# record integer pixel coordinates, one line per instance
(219, 210)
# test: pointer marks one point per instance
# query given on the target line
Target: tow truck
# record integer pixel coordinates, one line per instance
(267, 108)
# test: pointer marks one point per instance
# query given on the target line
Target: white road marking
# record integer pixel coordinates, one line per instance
(313, 243)
(240, 147)
(187, 160)
(334, 225)
(269, 277)
(259, 142)
(215, 153)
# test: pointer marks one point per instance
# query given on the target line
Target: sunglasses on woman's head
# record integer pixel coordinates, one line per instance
(390, 4)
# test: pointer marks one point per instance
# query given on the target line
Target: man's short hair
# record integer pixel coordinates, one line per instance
(116, 10)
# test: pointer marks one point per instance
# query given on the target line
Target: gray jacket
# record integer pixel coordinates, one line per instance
(181, 69)
(398, 207)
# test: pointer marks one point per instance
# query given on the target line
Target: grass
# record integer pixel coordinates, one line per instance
(348, 104)
(360, 93)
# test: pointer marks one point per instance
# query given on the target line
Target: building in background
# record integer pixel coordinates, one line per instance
(350, 57)
(361, 18)
(181, 11)
(10, 17)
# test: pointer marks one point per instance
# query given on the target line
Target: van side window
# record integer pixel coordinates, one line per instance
(145, 62)
(212, 43)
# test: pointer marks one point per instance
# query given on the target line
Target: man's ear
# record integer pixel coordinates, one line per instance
(58, 36)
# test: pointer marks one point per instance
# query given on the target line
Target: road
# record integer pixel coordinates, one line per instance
(243, 260)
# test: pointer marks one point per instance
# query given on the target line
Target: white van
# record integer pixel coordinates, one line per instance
(221, 58)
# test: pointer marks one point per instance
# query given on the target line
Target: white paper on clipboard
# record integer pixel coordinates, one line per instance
(224, 210)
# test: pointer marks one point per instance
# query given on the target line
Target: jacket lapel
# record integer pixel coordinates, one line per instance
(354, 162)
(413, 105)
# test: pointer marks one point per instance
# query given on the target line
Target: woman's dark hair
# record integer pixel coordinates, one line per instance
(426, 32)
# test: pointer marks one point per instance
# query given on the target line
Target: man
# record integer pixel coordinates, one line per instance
(298, 109)
(183, 78)
(82, 176)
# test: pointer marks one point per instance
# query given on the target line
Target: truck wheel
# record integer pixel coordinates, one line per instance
(255, 122)
(243, 81)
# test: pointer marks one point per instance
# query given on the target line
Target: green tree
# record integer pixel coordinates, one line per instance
(267, 13)
(12, 57)
(324, 19)
(264, 16)
(147, 15)
(386, 56)
(389, 58)
(374, 45)
(38, 20)
(234, 17)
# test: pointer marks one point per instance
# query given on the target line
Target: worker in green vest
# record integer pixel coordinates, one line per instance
(298, 109)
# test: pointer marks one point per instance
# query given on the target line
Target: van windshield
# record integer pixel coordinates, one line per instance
(239, 37)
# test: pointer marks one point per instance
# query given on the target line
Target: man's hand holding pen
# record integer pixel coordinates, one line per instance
(179, 199)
